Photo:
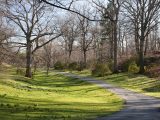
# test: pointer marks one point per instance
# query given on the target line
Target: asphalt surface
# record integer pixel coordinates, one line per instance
(137, 106)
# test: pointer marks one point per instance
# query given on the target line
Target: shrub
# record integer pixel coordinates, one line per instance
(59, 65)
(100, 70)
(150, 60)
(73, 66)
(124, 66)
(133, 68)
(91, 63)
(81, 66)
(153, 70)
(110, 65)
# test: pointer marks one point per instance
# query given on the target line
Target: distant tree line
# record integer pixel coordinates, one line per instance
(49, 31)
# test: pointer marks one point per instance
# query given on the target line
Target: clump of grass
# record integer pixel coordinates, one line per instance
(4, 95)
(2, 104)
(16, 105)
(27, 117)
(35, 105)
(9, 105)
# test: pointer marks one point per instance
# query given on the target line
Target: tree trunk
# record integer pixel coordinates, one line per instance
(136, 41)
(111, 44)
(141, 56)
(29, 60)
(126, 48)
(146, 46)
(35, 67)
(123, 47)
(85, 58)
(48, 65)
(115, 48)
(69, 56)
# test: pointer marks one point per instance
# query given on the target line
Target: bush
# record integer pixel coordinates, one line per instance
(111, 65)
(81, 66)
(133, 68)
(73, 66)
(90, 63)
(59, 65)
(124, 66)
(101, 70)
(150, 60)
(153, 70)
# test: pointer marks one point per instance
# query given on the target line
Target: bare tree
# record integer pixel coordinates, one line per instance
(86, 37)
(111, 12)
(47, 56)
(70, 34)
(68, 5)
(143, 14)
(33, 23)
(5, 34)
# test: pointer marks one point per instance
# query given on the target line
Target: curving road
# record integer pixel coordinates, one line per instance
(137, 106)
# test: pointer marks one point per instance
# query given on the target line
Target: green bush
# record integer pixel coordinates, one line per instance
(124, 66)
(110, 65)
(133, 68)
(73, 66)
(59, 65)
(101, 70)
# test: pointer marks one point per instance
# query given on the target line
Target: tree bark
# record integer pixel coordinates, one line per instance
(85, 58)
(115, 48)
(48, 65)
(111, 44)
(28, 60)
(146, 46)
(69, 56)
(35, 67)
(136, 40)
(141, 56)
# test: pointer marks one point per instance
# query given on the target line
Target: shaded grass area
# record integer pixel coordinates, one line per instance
(53, 97)
(130, 81)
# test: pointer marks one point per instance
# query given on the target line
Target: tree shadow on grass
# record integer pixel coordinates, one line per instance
(155, 88)
(116, 78)
(21, 109)
(52, 83)
(130, 79)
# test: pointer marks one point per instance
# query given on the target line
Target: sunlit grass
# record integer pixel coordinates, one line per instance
(137, 83)
(134, 82)
(53, 97)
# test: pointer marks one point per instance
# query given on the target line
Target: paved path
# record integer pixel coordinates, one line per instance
(137, 107)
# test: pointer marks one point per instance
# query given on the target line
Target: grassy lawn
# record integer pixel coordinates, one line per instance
(133, 82)
(53, 98)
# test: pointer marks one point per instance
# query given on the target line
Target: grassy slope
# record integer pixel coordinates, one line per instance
(137, 83)
(134, 82)
(53, 97)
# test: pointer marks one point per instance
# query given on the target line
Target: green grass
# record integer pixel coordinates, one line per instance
(53, 97)
(130, 81)
(137, 83)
